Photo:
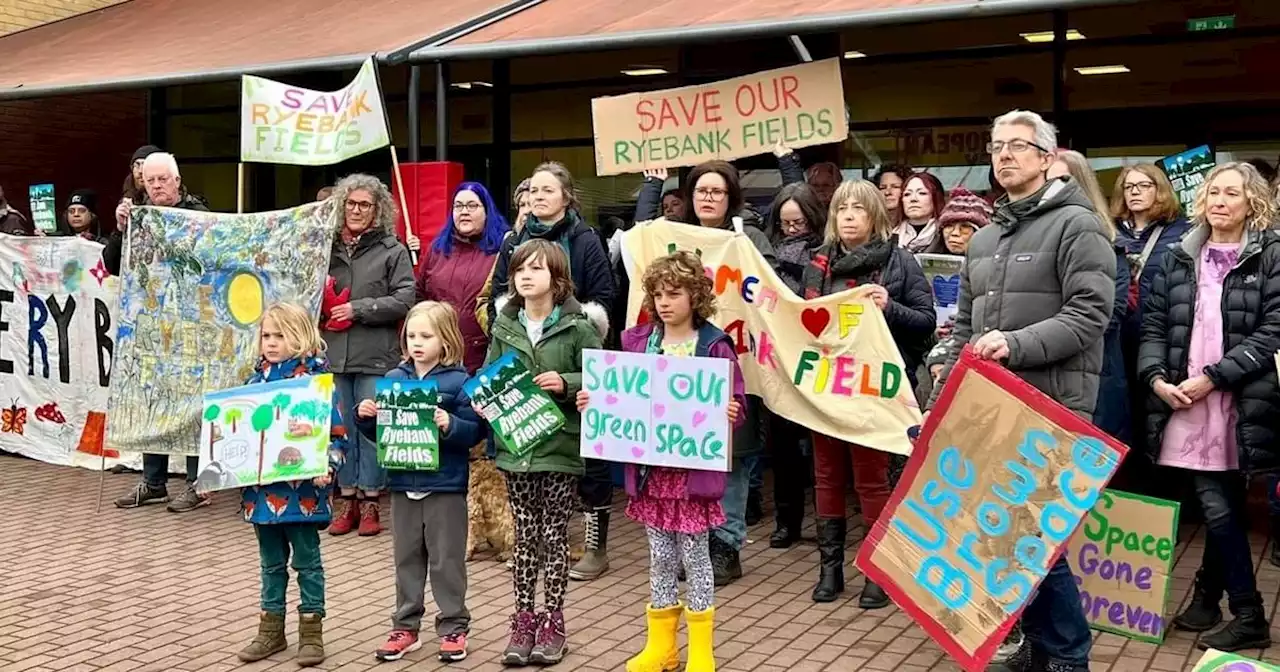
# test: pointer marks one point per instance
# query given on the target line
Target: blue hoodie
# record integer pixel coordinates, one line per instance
(294, 501)
(465, 431)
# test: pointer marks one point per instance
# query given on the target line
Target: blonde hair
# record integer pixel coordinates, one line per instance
(444, 321)
(1084, 176)
(301, 335)
(869, 197)
(1165, 207)
(1262, 210)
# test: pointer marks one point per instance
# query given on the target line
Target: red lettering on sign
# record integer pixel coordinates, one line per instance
(790, 83)
(681, 110)
(644, 110)
(711, 106)
(779, 93)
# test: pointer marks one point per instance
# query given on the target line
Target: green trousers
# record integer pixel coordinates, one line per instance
(275, 545)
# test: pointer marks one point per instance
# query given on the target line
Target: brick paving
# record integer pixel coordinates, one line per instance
(149, 590)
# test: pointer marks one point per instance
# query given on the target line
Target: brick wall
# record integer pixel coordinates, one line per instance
(22, 14)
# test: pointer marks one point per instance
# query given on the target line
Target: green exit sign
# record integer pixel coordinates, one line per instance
(1212, 23)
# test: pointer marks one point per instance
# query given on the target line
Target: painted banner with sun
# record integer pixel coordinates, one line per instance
(829, 364)
(57, 330)
(193, 288)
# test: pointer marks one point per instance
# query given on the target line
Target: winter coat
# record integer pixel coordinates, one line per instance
(560, 349)
(1111, 413)
(457, 279)
(588, 261)
(380, 276)
(466, 429)
(295, 501)
(1133, 244)
(910, 312)
(794, 255)
(1043, 274)
(113, 252)
(14, 223)
(1251, 337)
(712, 342)
(649, 199)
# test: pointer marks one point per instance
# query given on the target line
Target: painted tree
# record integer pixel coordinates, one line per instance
(211, 416)
(262, 419)
(233, 416)
(280, 402)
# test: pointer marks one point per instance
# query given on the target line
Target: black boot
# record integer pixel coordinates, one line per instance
(1248, 630)
(873, 597)
(1275, 540)
(788, 519)
(831, 537)
(1202, 612)
(725, 564)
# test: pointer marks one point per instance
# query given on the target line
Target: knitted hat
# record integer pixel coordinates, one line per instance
(145, 151)
(84, 197)
(965, 206)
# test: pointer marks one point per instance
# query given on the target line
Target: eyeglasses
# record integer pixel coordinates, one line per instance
(794, 224)
(1015, 146)
(710, 194)
(1139, 186)
(472, 206)
(359, 206)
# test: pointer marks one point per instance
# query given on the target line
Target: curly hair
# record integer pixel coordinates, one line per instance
(1262, 209)
(384, 207)
(682, 270)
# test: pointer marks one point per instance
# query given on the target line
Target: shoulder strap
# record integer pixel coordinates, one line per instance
(1150, 246)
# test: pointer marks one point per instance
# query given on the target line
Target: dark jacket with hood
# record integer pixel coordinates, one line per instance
(379, 274)
(112, 254)
(1250, 332)
(466, 429)
(14, 223)
(1133, 243)
(1043, 274)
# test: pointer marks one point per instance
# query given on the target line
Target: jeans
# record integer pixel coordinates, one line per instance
(1228, 559)
(756, 483)
(274, 545)
(361, 470)
(1054, 622)
(155, 469)
(734, 530)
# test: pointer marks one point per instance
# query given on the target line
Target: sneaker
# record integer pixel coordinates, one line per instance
(1012, 642)
(142, 495)
(400, 642)
(189, 500)
(453, 647)
(370, 524)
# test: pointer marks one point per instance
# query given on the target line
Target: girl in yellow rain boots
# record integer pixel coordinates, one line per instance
(678, 506)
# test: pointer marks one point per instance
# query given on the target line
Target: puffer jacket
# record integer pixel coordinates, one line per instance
(560, 349)
(379, 274)
(458, 279)
(1043, 274)
(1251, 337)
(113, 251)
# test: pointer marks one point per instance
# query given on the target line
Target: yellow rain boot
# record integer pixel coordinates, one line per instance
(661, 653)
(702, 641)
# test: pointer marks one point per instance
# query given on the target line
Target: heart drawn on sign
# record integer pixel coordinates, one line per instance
(699, 417)
(815, 320)
(610, 358)
(637, 452)
(610, 399)
(662, 364)
(659, 409)
(599, 448)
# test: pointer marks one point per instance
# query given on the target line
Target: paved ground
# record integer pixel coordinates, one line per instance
(149, 590)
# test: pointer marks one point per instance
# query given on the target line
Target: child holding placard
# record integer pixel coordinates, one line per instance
(288, 516)
(547, 329)
(679, 506)
(429, 507)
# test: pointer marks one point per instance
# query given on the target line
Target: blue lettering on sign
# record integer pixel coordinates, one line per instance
(949, 577)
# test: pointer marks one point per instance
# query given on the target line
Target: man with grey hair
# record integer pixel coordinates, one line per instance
(164, 187)
(1036, 295)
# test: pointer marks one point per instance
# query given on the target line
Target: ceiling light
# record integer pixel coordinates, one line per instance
(644, 71)
(466, 86)
(854, 54)
(1103, 70)
(1047, 36)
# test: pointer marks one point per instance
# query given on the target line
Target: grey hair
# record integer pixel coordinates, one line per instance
(1043, 132)
(165, 160)
(384, 206)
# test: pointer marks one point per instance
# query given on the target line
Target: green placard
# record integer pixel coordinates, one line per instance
(521, 413)
(408, 439)
(1226, 22)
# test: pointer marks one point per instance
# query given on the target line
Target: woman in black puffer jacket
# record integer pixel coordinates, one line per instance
(1210, 330)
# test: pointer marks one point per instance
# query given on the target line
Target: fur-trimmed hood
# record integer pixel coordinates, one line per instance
(593, 311)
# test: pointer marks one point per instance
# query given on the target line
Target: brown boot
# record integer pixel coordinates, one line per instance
(310, 640)
(270, 639)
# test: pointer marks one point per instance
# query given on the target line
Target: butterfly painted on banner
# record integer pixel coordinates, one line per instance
(13, 419)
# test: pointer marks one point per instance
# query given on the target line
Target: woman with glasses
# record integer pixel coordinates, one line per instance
(371, 289)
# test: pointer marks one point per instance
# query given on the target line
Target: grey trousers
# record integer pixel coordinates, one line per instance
(430, 540)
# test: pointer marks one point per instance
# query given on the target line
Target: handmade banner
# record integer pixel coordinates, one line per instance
(656, 410)
(1122, 556)
(288, 124)
(1001, 477)
(1214, 660)
(57, 333)
(828, 364)
(1186, 171)
(44, 211)
(800, 105)
(408, 438)
(943, 272)
(521, 413)
(194, 287)
(266, 433)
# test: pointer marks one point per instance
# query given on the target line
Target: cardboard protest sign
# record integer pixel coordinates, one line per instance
(266, 433)
(1186, 171)
(1217, 661)
(521, 413)
(408, 438)
(801, 105)
(194, 286)
(658, 410)
(57, 334)
(943, 272)
(1000, 478)
(289, 124)
(829, 364)
(44, 211)
(1122, 556)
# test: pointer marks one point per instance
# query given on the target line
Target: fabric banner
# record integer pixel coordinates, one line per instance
(408, 437)
(194, 286)
(943, 272)
(1001, 478)
(800, 105)
(1122, 556)
(288, 124)
(521, 414)
(1186, 171)
(1214, 660)
(828, 364)
(57, 333)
